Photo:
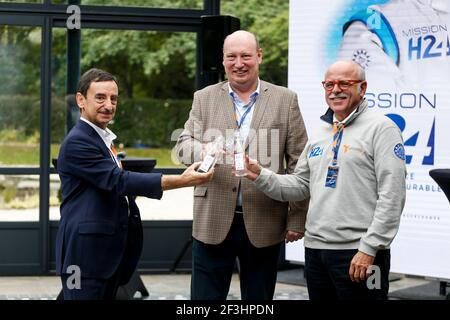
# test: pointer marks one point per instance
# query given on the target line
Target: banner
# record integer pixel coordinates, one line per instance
(404, 48)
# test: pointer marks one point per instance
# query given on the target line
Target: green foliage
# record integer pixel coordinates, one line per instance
(269, 20)
(158, 64)
(183, 4)
(9, 135)
(19, 154)
(144, 121)
(23, 1)
(9, 193)
(19, 56)
(162, 64)
(162, 155)
(20, 118)
(147, 63)
(149, 122)
(24, 203)
(20, 114)
(151, 67)
(23, 154)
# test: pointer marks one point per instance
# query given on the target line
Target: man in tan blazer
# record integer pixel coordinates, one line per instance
(231, 217)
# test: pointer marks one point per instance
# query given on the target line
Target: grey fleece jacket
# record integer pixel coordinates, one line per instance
(363, 211)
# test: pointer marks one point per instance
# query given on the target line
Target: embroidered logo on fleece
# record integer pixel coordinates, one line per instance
(399, 151)
(317, 151)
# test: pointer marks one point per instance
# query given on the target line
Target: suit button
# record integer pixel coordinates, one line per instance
(124, 227)
(234, 189)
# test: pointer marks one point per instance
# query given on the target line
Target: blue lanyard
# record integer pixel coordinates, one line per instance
(249, 108)
(337, 138)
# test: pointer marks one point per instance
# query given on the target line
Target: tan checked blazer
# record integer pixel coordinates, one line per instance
(277, 133)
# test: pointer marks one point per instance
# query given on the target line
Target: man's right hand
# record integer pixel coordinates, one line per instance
(191, 177)
(252, 168)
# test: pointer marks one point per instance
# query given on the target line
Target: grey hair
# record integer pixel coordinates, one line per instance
(361, 73)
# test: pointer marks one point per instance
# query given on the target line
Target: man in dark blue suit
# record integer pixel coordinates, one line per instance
(99, 240)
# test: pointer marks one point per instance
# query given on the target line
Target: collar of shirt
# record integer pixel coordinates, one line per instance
(241, 108)
(344, 121)
(107, 135)
(235, 97)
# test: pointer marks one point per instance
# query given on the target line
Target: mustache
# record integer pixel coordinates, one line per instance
(339, 95)
(106, 111)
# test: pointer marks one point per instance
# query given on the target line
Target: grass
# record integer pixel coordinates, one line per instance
(21, 154)
(162, 156)
(29, 202)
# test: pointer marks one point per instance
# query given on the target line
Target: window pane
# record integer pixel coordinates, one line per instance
(156, 75)
(59, 74)
(59, 112)
(55, 197)
(178, 4)
(19, 197)
(20, 54)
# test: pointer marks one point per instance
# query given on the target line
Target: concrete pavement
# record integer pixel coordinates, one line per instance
(171, 287)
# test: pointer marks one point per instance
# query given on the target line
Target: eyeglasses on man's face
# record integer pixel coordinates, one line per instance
(328, 85)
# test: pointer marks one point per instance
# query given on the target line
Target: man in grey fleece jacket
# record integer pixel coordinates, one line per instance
(353, 169)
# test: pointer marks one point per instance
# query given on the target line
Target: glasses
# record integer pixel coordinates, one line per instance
(343, 84)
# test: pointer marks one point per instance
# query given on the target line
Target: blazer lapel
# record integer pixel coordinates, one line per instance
(86, 128)
(230, 115)
(259, 111)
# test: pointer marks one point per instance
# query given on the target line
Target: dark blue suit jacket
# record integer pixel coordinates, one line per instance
(99, 229)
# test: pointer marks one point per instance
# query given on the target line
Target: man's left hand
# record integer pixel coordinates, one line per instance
(359, 265)
(292, 236)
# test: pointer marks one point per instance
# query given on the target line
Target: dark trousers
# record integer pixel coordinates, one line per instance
(92, 288)
(327, 276)
(213, 265)
(106, 289)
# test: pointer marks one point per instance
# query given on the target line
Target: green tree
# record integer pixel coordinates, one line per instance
(154, 63)
(19, 56)
(150, 63)
(269, 20)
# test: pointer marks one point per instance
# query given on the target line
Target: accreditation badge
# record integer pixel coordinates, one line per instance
(332, 175)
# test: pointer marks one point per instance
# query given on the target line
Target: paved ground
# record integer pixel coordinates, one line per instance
(171, 287)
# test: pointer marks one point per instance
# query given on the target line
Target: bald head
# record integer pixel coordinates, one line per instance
(347, 67)
(241, 36)
(241, 59)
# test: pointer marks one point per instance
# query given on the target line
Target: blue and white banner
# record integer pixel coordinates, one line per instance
(404, 47)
